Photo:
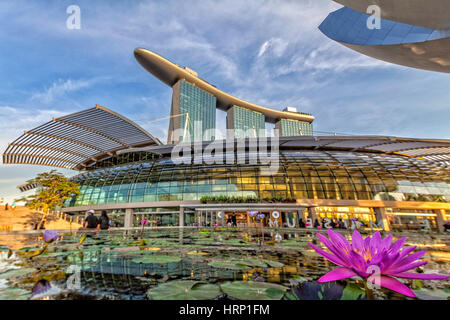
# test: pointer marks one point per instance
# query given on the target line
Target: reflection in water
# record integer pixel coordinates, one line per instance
(122, 265)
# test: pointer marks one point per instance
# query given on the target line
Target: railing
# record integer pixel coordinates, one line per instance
(59, 215)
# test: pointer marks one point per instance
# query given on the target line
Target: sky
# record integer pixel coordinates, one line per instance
(266, 52)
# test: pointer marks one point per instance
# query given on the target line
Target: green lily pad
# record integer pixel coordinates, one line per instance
(253, 290)
(352, 292)
(14, 273)
(232, 265)
(310, 254)
(253, 262)
(184, 290)
(160, 259)
(274, 264)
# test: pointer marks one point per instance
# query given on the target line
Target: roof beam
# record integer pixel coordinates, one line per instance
(73, 124)
(66, 139)
(24, 145)
(39, 157)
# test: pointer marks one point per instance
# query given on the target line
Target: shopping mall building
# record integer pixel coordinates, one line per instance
(383, 182)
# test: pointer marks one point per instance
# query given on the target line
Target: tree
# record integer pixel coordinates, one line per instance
(52, 191)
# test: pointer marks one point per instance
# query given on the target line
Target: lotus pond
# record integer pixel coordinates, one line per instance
(189, 263)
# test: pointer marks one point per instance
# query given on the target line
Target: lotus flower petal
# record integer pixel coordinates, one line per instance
(358, 263)
(413, 257)
(357, 241)
(422, 276)
(394, 285)
(337, 252)
(328, 256)
(397, 245)
(339, 240)
(337, 274)
(406, 251)
(406, 267)
(367, 243)
(386, 242)
(375, 243)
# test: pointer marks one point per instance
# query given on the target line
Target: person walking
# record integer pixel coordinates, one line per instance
(234, 220)
(91, 221)
(6, 206)
(13, 206)
(104, 222)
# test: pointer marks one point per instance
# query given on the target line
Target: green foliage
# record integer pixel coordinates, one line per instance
(54, 189)
(352, 292)
(227, 199)
(253, 290)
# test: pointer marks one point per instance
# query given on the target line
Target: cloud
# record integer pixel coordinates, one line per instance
(14, 121)
(276, 46)
(61, 88)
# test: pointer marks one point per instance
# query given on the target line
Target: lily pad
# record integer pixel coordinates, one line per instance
(310, 254)
(197, 253)
(253, 290)
(352, 292)
(254, 263)
(274, 264)
(184, 290)
(160, 259)
(232, 265)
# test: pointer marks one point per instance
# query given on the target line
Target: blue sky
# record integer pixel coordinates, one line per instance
(266, 52)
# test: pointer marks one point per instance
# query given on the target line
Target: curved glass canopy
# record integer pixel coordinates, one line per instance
(303, 174)
(350, 26)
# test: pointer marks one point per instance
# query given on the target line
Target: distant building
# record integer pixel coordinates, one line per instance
(196, 97)
(245, 123)
(191, 106)
(293, 128)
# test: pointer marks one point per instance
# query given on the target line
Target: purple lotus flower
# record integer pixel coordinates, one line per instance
(261, 216)
(364, 256)
(50, 236)
(144, 222)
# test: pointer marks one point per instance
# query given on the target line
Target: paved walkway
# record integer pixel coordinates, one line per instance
(21, 219)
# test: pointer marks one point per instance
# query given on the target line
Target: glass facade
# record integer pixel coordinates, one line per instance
(201, 107)
(303, 174)
(294, 128)
(350, 26)
(245, 123)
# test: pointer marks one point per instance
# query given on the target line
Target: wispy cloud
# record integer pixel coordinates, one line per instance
(15, 120)
(61, 88)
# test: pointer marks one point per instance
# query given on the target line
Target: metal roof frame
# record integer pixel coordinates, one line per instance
(74, 140)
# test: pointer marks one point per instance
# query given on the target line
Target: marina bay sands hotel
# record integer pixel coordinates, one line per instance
(194, 99)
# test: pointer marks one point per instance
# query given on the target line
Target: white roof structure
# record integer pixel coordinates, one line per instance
(75, 140)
